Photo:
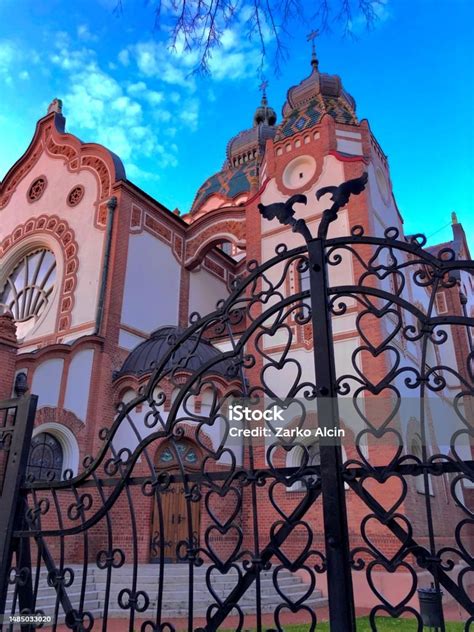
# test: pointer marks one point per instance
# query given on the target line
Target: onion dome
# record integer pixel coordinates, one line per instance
(264, 113)
(250, 144)
(244, 153)
(189, 355)
(230, 183)
(307, 102)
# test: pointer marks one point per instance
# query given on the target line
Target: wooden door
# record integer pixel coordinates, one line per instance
(175, 510)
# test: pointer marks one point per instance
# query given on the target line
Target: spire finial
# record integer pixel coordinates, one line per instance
(56, 105)
(263, 89)
(310, 38)
(264, 113)
(454, 218)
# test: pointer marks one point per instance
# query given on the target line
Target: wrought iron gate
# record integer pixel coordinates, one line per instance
(366, 348)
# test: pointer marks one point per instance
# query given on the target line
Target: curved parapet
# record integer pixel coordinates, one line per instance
(50, 138)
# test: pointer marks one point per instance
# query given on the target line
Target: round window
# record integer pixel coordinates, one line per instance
(28, 288)
(75, 195)
(299, 172)
(36, 189)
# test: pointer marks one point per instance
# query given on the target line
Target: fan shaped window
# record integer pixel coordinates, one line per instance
(28, 288)
(46, 458)
(167, 457)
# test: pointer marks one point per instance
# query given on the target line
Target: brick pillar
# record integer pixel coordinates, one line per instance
(8, 349)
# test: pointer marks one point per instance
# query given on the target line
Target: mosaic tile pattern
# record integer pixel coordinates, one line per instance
(228, 183)
(301, 119)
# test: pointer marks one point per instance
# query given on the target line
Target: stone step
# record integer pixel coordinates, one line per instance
(74, 597)
(152, 585)
(200, 611)
(181, 574)
(219, 590)
(117, 575)
(177, 611)
(47, 591)
(175, 593)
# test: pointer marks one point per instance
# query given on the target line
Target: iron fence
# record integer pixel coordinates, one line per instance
(364, 349)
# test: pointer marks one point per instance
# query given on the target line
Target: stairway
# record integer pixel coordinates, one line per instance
(175, 592)
(46, 597)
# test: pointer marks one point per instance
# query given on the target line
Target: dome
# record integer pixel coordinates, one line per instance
(243, 155)
(250, 143)
(264, 113)
(317, 95)
(149, 353)
(228, 183)
(327, 86)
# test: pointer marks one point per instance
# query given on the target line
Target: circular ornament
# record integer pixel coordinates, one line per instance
(299, 171)
(75, 195)
(37, 188)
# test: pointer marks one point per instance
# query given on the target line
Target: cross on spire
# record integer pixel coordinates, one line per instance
(310, 38)
(263, 89)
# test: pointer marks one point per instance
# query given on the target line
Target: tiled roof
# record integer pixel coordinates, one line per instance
(309, 115)
(229, 183)
(190, 355)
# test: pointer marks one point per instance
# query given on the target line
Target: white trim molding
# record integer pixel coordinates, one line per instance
(67, 441)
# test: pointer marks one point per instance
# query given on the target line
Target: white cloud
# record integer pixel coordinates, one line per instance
(153, 97)
(84, 33)
(7, 55)
(189, 114)
(129, 110)
(99, 84)
(231, 65)
(155, 61)
(228, 39)
(136, 173)
(68, 59)
(237, 57)
(133, 118)
(12, 60)
(163, 116)
(124, 57)
(137, 88)
(138, 119)
(140, 89)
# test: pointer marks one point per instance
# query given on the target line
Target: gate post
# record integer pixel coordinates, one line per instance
(336, 534)
(16, 427)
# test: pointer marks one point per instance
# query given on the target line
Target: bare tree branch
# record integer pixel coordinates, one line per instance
(198, 25)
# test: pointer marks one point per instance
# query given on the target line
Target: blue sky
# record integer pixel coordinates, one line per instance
(411, 76)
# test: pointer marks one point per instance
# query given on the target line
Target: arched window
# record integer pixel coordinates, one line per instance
(29, 285)
(314, 460)
(304, 280)
(296, 457)
(45, 461)
(416, 448)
